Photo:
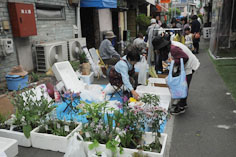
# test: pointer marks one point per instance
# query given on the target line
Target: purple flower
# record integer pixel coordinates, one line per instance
(120, 106)
(125, 99)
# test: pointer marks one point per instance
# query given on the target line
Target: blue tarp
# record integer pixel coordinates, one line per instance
(82, 118)
(99, 3)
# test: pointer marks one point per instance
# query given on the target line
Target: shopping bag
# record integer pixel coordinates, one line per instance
(76, 148)
(142, 75)
(178, 85)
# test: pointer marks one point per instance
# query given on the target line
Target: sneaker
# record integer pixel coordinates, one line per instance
(175, 105)
(177, 111)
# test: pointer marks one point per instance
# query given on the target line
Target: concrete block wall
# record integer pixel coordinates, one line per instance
(6, 63)
(47, 30)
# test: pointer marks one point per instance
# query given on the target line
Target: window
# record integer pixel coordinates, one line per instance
(50, 12)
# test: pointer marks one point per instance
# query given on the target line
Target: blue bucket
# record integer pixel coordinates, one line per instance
(16, 82)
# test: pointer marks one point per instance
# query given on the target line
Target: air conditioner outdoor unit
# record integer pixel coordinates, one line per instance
(75, 46)
(49, 53)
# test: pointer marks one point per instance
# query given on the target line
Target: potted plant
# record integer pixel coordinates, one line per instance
(122, 132)
(30, 110)
(85, 66)
(54, 134)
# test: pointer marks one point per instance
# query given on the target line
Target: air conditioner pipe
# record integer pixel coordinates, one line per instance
(78, 20)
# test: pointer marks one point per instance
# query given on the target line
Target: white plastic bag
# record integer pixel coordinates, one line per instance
(76, 147)
(142, 76)
(109, 89)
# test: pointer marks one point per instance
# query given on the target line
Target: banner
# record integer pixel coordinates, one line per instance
(165, 1)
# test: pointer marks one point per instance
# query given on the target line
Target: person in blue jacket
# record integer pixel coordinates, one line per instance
(125, 69)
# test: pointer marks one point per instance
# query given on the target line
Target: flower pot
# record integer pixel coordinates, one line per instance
(19, 136)
(148, 137)
(49, 141)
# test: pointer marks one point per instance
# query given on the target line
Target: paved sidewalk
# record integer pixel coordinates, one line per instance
(208, 127)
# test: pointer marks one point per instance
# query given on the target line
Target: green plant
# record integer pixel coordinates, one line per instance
(178, 12)
(57, 127)
(83, 58)
(75, 64)
(124, 127)
(143, 20)
(30, 111)
(35, 77)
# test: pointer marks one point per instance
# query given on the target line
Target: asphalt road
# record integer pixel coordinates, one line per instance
(208, 127)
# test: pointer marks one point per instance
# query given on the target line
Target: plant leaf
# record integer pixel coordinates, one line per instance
(27, 129)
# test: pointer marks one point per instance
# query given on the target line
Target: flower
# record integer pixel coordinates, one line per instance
(125, 99)
(131, 99)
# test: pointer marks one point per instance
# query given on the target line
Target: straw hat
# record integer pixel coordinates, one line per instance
(109, 35)
(18, 70)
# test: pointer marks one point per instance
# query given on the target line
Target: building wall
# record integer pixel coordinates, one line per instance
(47, 30)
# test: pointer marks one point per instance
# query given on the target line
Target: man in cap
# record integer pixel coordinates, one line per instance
(177, 50)
(107, 51)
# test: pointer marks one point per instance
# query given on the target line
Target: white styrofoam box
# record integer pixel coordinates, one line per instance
(156, 80)
(148, 138)
(49, 141)
(162, 92)
(19, 136)
(88, 78)
(8, 146)
(207, 32)
(64, 72)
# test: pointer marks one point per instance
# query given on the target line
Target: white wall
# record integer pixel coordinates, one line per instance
(105, 19)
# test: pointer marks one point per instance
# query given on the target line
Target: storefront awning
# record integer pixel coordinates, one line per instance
(99, 3)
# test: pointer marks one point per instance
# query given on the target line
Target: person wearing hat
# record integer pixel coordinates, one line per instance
(151, 32)
(177, 50)
(107, 51)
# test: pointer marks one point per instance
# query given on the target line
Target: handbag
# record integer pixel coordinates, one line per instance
(178, 85)
(197, 35)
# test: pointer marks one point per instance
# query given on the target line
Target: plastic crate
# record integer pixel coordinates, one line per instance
(16, 82)
(207, 32)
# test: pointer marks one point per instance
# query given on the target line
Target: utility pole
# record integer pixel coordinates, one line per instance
(187, 10)
(175, 8)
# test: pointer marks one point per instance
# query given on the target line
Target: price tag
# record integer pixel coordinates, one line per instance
(67, 129)
(87, 135)
(46, 127)
(58, 126)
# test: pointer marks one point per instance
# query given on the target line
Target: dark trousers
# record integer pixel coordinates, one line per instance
(196, 45)
(183, 102)
(158, 63)
(111, 61)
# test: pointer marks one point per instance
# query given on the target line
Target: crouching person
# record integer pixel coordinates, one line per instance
(123, 72)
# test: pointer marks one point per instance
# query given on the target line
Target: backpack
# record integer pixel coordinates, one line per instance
(115, 78)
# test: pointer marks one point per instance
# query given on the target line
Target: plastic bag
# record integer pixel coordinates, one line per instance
(109, 89)
(142, 76)
(178, 85)
(76, 148)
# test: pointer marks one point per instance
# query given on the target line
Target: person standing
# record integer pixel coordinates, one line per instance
(107, 51)
(188, 38)
(184, 24)
(177, 50)
(195, 28)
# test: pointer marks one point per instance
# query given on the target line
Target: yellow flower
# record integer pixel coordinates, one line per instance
(131, 99)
